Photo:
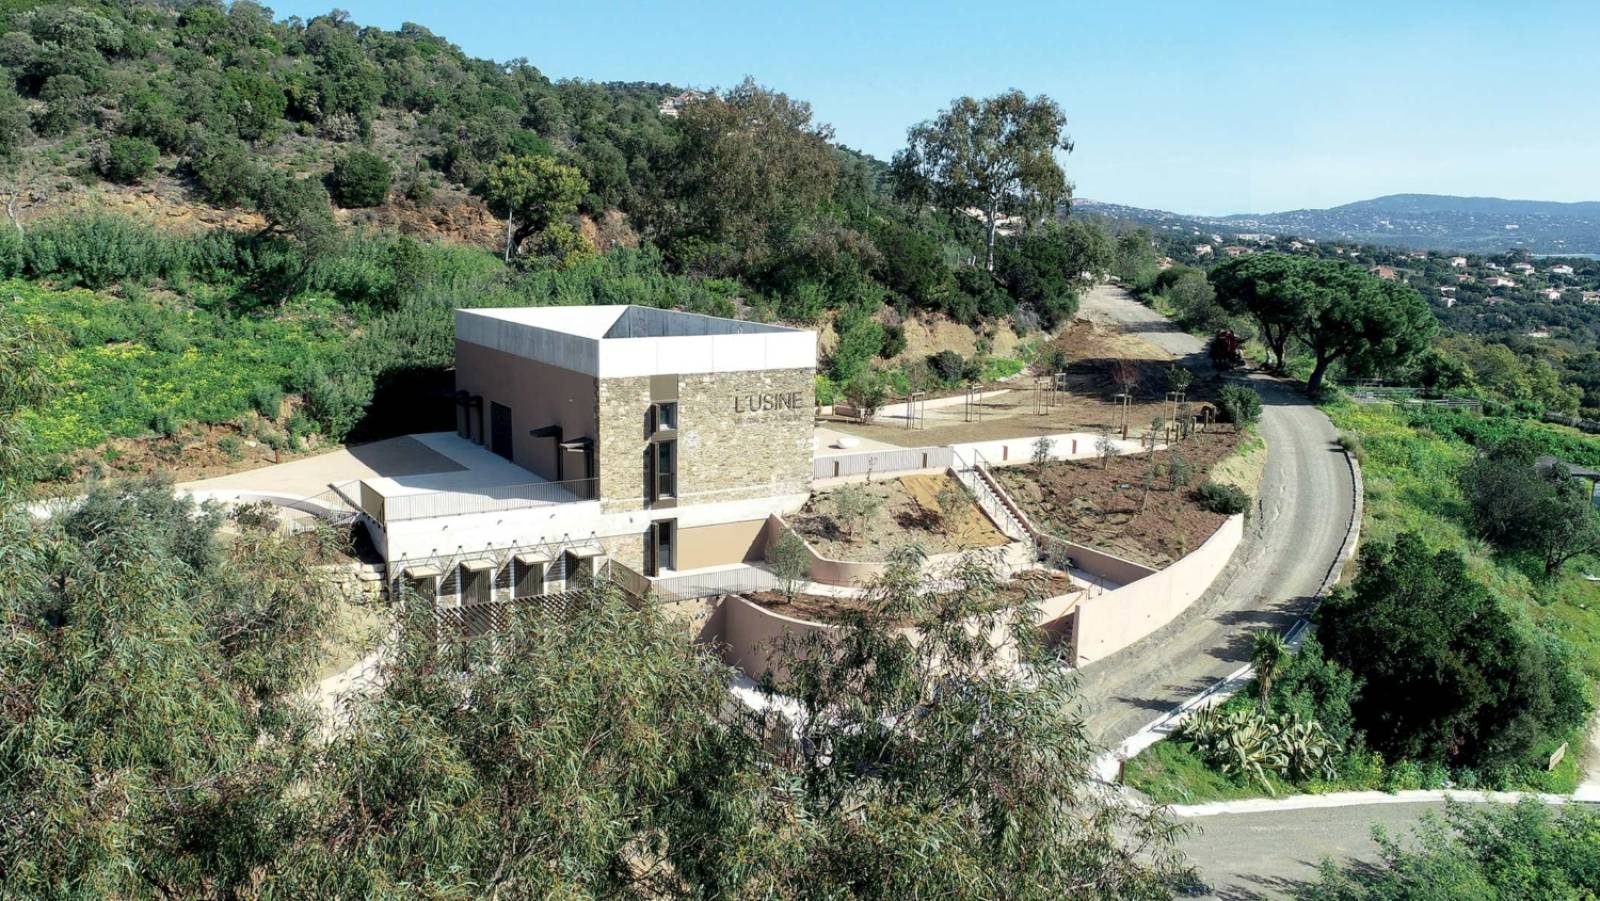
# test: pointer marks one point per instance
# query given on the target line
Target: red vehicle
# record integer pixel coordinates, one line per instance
(1227, 350)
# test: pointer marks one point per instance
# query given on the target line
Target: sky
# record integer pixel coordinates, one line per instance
(1199, 107)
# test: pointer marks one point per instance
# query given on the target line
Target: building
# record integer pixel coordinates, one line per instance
(1551, 293)
(656, 439)
(1458, 262)
(1499, 281)
(1522, 267)
(673, 105)
(1384, 272)
(1561, 269)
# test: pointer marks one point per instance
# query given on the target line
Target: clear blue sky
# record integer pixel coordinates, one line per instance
(1197, 107)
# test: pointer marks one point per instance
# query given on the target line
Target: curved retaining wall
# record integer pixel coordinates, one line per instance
(1111, 621)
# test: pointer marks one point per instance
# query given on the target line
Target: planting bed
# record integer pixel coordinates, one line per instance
(1033, 584)
(1107, 507)
(908, 511)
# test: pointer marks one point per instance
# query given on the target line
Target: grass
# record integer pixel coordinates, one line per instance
(1409, 464)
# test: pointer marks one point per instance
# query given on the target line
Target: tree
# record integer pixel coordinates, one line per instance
(1042, 448)
(25, 382)
(790, 560)
(154, 739)
(854, 505)
(126, 160)
(536, 189)
(866, 392)
(359, 178)
(1449, 677)
(746, 161)
(1525, 510)
(1336, 309)
(900, 741)
(1049, 265)
(997, 155)
(1527, 850)
(1268, 654)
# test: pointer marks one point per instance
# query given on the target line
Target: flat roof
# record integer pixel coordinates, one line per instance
(623, 340)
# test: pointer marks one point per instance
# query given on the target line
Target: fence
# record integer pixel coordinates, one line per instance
(868, 462)
(486, 500)
(743, 580)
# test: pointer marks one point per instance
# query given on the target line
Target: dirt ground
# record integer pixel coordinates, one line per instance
(1034, 584)
(909, 511)
(1107, 507)
(1093, 351)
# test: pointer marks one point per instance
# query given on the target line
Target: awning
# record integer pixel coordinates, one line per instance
(420, 572)
(585, 551)
(533, 558)
(477, 566)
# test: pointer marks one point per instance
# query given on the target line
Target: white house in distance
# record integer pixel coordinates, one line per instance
(1551, 293)
(1458, 262)
(1561, 269)
(1499, 281)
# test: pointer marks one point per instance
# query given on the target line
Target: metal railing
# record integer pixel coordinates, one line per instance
(485, 500)
(871, 462)
(975, 476)
(690, 586)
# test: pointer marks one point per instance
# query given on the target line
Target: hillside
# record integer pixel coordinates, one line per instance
(1416, 221)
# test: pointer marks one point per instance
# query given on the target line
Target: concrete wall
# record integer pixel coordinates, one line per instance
(751, 633)
(725, 451)
(538, 394)
(716, 545)
(1109, 622)
(1108, 566)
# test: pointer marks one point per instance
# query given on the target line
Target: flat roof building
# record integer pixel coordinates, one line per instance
(659, 439)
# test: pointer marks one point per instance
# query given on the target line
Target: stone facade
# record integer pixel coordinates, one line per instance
(741, 435)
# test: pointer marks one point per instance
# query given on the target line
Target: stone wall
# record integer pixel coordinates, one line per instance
(726, 450)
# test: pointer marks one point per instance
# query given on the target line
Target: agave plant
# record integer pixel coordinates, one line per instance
(1307, 751)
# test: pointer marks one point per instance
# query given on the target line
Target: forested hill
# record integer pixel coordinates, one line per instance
(1416, 221)
(274, 218)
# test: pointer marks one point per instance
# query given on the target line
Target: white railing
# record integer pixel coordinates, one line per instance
(974, 475)
(872, 462)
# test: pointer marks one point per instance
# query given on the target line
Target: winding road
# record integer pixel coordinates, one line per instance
(1293, 538)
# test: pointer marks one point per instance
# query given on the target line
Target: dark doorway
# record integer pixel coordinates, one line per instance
(500, 429)
(661, 546)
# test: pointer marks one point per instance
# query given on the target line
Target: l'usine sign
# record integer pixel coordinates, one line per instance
(761, 403)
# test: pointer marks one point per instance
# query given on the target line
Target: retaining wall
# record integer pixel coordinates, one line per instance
(1111, 621)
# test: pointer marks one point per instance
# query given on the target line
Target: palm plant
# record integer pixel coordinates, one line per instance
(1268, 654)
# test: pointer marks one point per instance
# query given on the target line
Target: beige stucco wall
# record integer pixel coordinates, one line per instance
(732, 542)
(538, 394)
(724, 453)
(1109, 622)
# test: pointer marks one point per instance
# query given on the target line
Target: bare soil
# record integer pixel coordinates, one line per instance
(821, 608)
(1108, 506)
(1087, 405)
(908, 512)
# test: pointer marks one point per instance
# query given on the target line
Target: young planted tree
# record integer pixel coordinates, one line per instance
(1042, 448)
(997, 155)
(953, 501)
(790, 561)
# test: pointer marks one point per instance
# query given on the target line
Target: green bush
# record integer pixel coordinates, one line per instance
(1239, 404)
(126, 160)
(360, 178)
(1219, 498)
(947, 366)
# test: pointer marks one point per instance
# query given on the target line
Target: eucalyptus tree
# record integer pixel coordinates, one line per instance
(997, 155)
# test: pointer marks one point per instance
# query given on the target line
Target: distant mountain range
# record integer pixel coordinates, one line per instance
(1420, 221)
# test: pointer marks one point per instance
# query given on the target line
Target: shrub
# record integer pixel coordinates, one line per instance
(126, 160)
(1219, 498)
(267, 400)
(827, 391)
(1051, 360)
(359, 178)
(336, 400)
(947, 366)
(1352, 446)
(894, 342)
(790, 561)
(1239, 404)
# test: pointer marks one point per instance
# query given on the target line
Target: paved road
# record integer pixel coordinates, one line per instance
(1292, 538)
(1270, 855)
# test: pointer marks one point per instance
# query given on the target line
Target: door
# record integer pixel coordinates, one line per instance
(661, 547)
(500, 429)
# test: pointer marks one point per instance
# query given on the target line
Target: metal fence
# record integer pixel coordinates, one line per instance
(705, 585)
(485, 500)
(871, 462)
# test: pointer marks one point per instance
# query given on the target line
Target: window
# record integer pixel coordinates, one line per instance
(667, 416)
(665, 456)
